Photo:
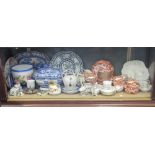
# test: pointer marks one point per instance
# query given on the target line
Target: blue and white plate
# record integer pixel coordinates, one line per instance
(7, 71)
(37, 59)
(67, 60)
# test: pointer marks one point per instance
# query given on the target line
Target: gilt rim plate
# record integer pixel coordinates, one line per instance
(67, 61)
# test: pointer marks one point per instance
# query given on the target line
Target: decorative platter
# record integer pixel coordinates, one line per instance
(7, 71)
(34, 58)
(135, 69)
(67, 60)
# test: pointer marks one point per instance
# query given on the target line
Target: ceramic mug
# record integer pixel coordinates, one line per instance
(31, 84)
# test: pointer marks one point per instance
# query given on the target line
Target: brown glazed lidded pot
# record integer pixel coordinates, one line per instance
(103, 70)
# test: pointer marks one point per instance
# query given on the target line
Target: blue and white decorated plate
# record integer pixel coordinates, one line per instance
(67, 60)
(37, 59)
(7, 71)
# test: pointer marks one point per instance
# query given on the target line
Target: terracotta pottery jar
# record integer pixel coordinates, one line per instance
(103, 70)
(104, 76)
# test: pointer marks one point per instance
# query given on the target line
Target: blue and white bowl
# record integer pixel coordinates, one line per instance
(44, 75)
(22, 72)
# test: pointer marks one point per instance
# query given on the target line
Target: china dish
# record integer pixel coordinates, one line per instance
(70, 91)
(67, 60)
(7, 71)
(37, 59)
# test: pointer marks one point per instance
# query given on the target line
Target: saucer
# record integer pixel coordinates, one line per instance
(28, 91)
(108, 92)
(73, 91)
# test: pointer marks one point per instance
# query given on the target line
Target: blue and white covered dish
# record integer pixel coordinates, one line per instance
(46, 74)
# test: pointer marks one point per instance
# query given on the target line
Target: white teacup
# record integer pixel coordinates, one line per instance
(31, 84)
(107, 85)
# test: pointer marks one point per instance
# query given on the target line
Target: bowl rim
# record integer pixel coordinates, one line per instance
(21, 70)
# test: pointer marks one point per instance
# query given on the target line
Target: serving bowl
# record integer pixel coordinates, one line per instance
(21, 73)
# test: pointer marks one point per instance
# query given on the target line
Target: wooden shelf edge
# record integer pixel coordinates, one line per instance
(150, 103)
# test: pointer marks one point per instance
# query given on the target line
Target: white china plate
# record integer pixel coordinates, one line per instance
(135, 69)
(74, 91)
(34, 58)
(7, 71)
(67, 60)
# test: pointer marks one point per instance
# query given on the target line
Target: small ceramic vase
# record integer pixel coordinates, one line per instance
(31, 84)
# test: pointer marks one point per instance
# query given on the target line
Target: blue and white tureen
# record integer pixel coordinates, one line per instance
(46, 74)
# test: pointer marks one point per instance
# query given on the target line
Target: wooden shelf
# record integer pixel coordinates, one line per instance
(77, 97)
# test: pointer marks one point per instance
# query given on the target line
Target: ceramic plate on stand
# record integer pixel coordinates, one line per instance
(73, 91)
(7, 71)
(37, 59)
(67, 60)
